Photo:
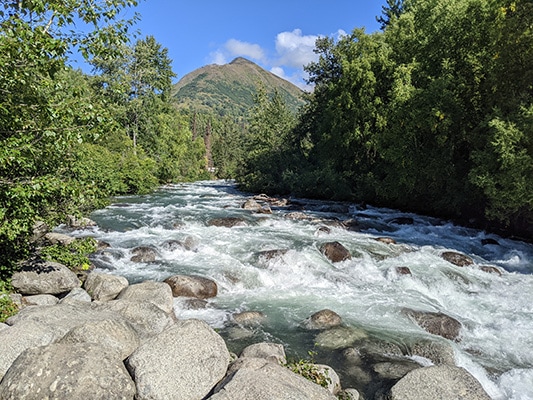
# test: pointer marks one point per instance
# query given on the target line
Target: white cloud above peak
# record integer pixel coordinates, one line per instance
(294, 49)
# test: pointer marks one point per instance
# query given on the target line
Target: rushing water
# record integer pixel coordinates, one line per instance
(496, 311)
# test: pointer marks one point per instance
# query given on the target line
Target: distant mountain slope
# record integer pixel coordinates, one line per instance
(229, 89)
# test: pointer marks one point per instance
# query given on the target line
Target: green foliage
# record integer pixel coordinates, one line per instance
(7, 306)
(73, 256)
(309, 370)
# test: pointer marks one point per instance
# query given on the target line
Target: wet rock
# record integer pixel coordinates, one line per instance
(438, 352)
(323, 229)
(101, 245)
(402, 221)
(458, 259)
(339, 337)
(403, 271)
(271, 254)
(323, 319)
(438, 383)
(258, 379)
(143, 254)
(349, 394)
(192, 286)
(491, 270)
(269, 351)
(157, 293)
(255, 207)
(184, 362)
(44, 278)
(196, 304)
(104, 287)
(385, 240)
(436, 323)
(298, 216)
(378, 350)
(67, 371)
(227, 222)
(189, 243)
(489, 241)
(335, 252)
(249, 318)
(79, 223)
(395, 370)
(352, 225)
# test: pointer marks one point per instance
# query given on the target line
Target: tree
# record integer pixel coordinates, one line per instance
(392, 10)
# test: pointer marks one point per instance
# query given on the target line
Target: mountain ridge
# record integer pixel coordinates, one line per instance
(230, 88)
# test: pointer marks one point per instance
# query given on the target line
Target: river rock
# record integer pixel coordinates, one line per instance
(143, 254)
(442, 382)
(259, 379)
(227, 222)
(249, 318)
(39, 300)
(157, 293)
(385, 240)
(335, 252)
(490, 270)
(17, 338)
(67, 371)
(339, 337)
(349, 394)
(104, 287)
(440, 352)
(271, 254)
(269, 351)
(458, 259)
(116, 335)
(192, 286)
(44, 278)
(147, 318)
(323, 319)
(403, 271)
(298, 216)
(436, 323)
(59, 238)
(190, 243)
(396, 369)
(255, 207)
(79, 223)
(183, 362)
(76, 294)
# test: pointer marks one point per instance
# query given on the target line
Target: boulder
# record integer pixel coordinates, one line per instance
(385, 240)
(258, 379)
(396, 369)
(249, 318)
(143, 254)
(323, 319)
(458, 259)
(491, 270)
(349, 394)
(335, 252)
(116, 335)
(436, 323)
(339, 337)
(269, 351)
(440, 352)
(183, 362)
(3, 326)
(39, 229)
(76, 294)
(44, 278)
(298, 216)
(17, 338)
(146, 318)
(67, 371)
(79, 223)
(271, 254)
(157, 293)
(190, 243)
(104, 287)
(442, 382)
(253, 206)
(59, 238)
(403, 271)
(192, 286)
(39, 300)
(227, 222)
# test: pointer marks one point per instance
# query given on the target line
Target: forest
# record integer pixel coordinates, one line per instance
(431, 114)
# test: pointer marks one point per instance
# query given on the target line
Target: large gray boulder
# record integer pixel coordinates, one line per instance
(192, 286)
(59, 238)
(104, 287)
(274, 352)
(339, 337)
(259, 379)
(436, 323)
(184, 362)
(442, 382)
(323, 319)
(39, 300)
(116, 335)
(67, 371)
(147, 319)
(15, 339)
(157, 293)
(44, 278)
(335, 252)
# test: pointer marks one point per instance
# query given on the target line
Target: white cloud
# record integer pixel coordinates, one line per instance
(244, 49)
(218, 57)
(294, 49)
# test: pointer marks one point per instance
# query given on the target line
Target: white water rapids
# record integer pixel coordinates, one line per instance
(496, 312)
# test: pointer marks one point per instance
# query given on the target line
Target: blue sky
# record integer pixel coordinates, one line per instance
(279, 35)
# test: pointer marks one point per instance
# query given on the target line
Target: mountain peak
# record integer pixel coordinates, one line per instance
(229, 89)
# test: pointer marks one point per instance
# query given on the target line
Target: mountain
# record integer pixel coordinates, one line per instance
(230, 88)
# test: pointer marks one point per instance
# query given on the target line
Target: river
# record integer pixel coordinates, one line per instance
(496, 312)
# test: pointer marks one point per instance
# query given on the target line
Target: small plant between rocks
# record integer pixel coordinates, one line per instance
(7, 306)
(309, 370)
(74, 255)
